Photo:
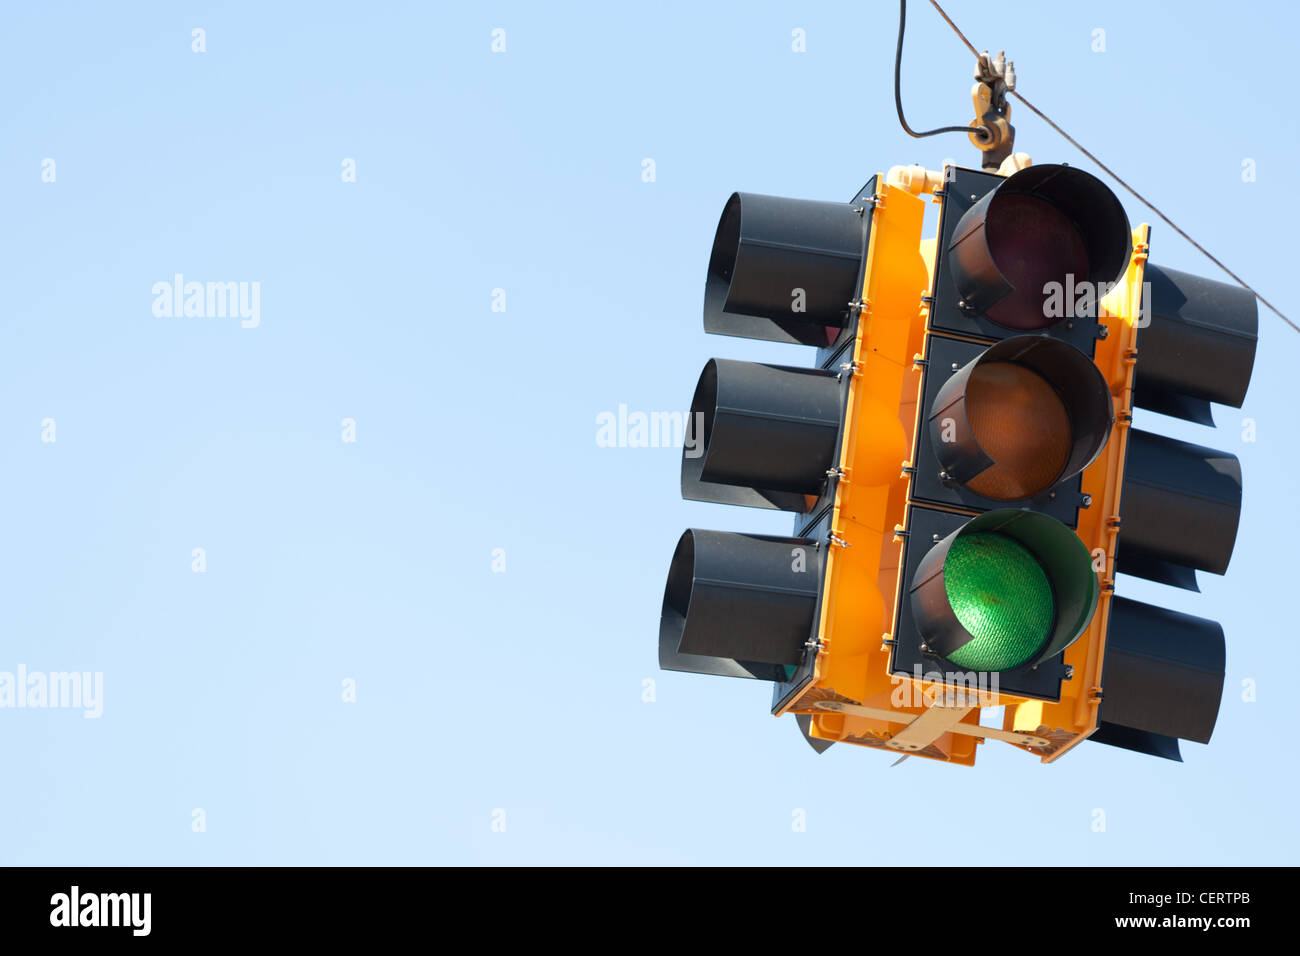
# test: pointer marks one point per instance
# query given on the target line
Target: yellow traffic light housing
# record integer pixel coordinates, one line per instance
(962, 469)
(858, 695)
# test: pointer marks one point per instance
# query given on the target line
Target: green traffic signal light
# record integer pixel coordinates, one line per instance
(999, 594)
(1004, 591)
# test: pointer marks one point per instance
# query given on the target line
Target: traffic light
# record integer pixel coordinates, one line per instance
(766, 436)
(962, 468)
(996, 582)
(1180, 505)
(825, 443)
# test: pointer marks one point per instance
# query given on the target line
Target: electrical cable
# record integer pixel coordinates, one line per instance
(979, 131)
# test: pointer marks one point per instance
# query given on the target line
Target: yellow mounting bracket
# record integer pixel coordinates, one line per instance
(930, 724)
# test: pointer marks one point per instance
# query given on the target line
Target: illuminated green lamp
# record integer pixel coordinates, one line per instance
(999, 594)
(1007, 590)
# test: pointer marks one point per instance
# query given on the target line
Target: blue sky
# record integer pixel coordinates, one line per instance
(371, 561)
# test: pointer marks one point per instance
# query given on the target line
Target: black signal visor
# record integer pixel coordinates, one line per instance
(1179, 507)
(784, 270)
(739, 605)
(761, 435)
(1196, 345)
(1163, 674)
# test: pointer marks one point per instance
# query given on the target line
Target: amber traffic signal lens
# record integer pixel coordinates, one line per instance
(1022, 424)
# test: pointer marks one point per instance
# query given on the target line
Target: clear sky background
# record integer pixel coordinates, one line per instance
(371, 561)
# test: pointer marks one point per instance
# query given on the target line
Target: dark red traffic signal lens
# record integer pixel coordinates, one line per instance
(1033, 244)
(1043, 225)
